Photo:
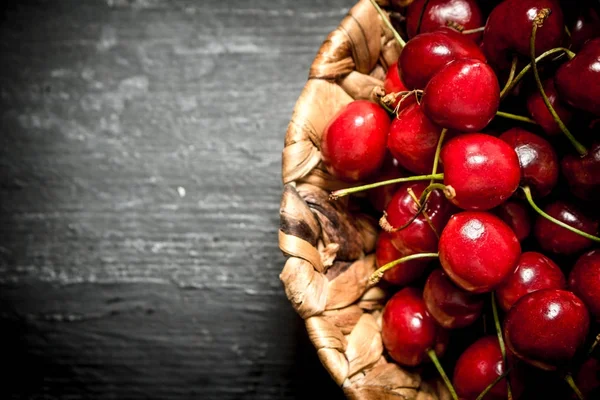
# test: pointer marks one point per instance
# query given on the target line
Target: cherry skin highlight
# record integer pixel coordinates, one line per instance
(516, 215)
(451, 306)
(402, 274)
(583, 173)
(546, 328)
(534, 272)
(393, 84)
(537, 158)
(483, 170)
(464, 96)
(408, 330)
(353, 145)
(478, 250)
(584, 281)
(539, 112)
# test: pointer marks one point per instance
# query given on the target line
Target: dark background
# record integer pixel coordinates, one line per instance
(140, 162)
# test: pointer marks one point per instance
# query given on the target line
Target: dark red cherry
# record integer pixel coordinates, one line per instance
(508, 29)
(537, 158)
(547, 327)
(585, 27)
(478, 250)
(438, 13)
(583, 173)
(353, 145)
(408, 330)
(587, 378)
(556, 239)
(419, 236)
(534, 271)
(539, 112)
(413, 139)
(483, 170)
(380, 196)
(427, 53)
(517, 217)
(578, 80)
(393, 84)
(402, 274)
(451, 306)
(479, 366)
(464, 96)
(584, 281)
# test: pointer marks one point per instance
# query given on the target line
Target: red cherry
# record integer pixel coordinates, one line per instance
(584, 281)
(556, 239)
(583, 173)
(427, 53)
(402, 274)
(516, 215)
(353, 145)
(585, 27)
(578, 80)
(483, 170)
(380, 196)
(539, 112)
(478, 250)
(451, 306)
(438, 13)
(413, 139)
(508, 29)
(534, 271)
(419, 236)
(393, 84)
(408, 330)
(547, 327)
(537, 158)
(587, 378)
(479, 366)
(464, 95)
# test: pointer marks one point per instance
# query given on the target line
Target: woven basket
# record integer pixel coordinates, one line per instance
(330, 244)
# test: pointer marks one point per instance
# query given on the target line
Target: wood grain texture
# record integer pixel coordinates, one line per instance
(140, 161)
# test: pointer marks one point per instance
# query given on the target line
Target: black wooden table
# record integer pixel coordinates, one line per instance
(140, 162)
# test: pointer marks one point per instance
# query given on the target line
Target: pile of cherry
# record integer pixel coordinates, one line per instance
(483, 162)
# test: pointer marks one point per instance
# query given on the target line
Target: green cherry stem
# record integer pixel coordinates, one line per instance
(515, 117)
(344, 192)
(573, 385)
(500, 339)
(529, 198)
(491, 385)
(537, 23)
(387, 23)
(474, 30)
(511, 75)
(438, 150)
(438, 366)
(378, 274)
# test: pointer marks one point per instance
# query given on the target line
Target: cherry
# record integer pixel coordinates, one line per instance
(556, 239)
(546, 328)
(438, 13)
(537, 159)
(451, 306)
(585, 27)
(479, 366)
(539, 112)
(478, 250)
(393, 84)
(583, 173)
(508, 29)
(421, 236)
(408, 331)
(534, 271)
(578, 80)
(353, 145)
(381, 196)
(584, 281)
(403, 274)
(516, 215)
(483, 170)
(588, 378)
(413, 139)
(427, 53)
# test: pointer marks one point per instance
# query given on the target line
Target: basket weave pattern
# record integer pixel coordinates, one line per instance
(330, 244)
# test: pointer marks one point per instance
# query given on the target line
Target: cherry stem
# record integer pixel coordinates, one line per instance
(377, 275)
(511, 75)
(573, 385)
(593, 346)
(537, 23)
(474, 30)
(438, 150)
(515, 117)
(387, 23)
(586, 235)
(500, 339)
(421, 16)
(526, 68)
(438, 366)
(491, 385)
(344, 192)
(567, 31)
